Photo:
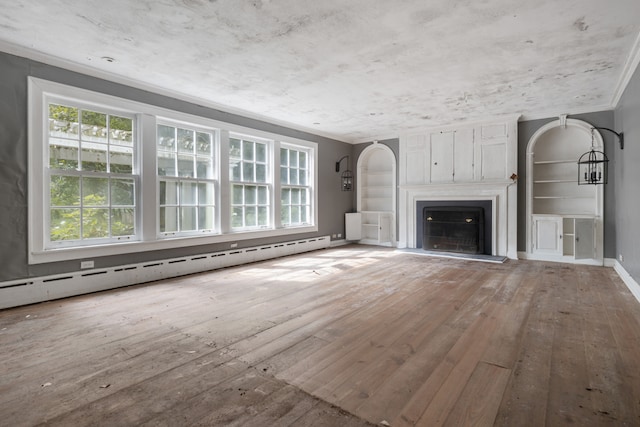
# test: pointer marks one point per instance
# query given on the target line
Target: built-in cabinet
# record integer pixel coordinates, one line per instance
(374, 223)
(564, 219)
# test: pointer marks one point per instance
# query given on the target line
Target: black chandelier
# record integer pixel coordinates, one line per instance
(593, 166)
(346, 178)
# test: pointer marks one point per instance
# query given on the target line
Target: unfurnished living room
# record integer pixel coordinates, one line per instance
(329, 213)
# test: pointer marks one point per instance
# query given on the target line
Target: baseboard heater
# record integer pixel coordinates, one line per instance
(38, 289)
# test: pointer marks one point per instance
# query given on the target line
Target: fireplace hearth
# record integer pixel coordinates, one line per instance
(453, 229)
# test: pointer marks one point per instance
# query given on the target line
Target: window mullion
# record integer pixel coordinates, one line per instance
(224, 193)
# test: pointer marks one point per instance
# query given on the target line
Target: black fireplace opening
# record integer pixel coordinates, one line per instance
(459, 229)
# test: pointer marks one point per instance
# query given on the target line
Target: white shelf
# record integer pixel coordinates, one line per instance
(555, 162)
(555, 181)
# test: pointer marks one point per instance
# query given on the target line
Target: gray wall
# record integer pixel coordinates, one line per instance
(627, 173)
(526, 130)
(332, 203)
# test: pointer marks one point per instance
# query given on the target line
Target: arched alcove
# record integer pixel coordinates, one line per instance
(564, 219)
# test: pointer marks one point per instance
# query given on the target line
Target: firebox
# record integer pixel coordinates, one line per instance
(453, 229)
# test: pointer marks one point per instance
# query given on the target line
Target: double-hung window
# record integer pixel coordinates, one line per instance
(295, 186)
(250, 183)
(92, 179)
(186, 179)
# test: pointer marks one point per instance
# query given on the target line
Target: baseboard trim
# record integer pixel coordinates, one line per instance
(45, 288)
(633, 286)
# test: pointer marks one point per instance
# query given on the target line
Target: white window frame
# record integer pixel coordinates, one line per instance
(308, 186)
(147, 187)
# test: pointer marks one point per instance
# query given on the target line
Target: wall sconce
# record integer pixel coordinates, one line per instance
(593, 165)
(346, 179)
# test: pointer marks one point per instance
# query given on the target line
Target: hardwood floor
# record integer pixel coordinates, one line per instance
(339, 337)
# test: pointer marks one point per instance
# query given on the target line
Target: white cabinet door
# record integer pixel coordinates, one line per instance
(585, 230)
(442, 157)
(353, 226)
(384, 235)
(493, 160)
(463, 155)
(548, 235)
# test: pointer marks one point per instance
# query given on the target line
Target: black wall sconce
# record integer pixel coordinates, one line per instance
(346, 178)
(593, 166)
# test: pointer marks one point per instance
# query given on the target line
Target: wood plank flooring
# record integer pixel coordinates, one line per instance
(351, 336)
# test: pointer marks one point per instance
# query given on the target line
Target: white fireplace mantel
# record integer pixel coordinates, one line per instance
(502, 195)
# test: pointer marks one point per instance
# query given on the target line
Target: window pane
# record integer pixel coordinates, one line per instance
(185, 141)
(95, 223)
(94, 157)
(203, 143)
(302, 160)
(122, 193)
(94, 126)
(293, 159)
(188, 219)
(236, 217)
(303, 214)
(166, 138)
(63, 154)
(250, 216)
(263, 216)
(65, 224)
(205, 193)
(247, 150)
(95, 191)
(247, 171)
(166, 164)
(302, 177)
(121, 159)
(261, 152)
(285, 196)
(185, 166)
(205, 218)
(261, 173)
(284, 157)
(234, 148)
(295, 196)
(63, 121)
(303, 197)
(295, 214)
(284, 175)
(237, 194)
(121, 130)
(262, 195)
(250, 195)
(234, 171)
(188, 191)
(293, 176)
(122, 222)
(65, 191)
(168, 193)
(168, 219)
(284, 215)
(204, 167)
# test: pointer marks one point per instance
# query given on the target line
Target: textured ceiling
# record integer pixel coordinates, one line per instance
(352, 69)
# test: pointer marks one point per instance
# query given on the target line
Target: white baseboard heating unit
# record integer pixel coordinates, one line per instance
(38, 289)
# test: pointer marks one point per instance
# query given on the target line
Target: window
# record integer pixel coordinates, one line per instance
(186, 170)
(91, 179)
(111, 176)
(295, 207)
(248, 175)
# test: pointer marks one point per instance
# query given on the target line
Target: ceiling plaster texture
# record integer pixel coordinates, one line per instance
(356, 70)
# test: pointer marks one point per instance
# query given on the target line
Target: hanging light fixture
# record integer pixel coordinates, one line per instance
(346, 178)
(593, 166)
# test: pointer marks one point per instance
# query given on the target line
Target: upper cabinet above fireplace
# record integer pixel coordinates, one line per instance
(482, 153)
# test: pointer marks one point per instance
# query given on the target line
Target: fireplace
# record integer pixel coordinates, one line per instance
(453, 229)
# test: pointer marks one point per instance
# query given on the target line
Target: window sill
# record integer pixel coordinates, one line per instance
(76, 253)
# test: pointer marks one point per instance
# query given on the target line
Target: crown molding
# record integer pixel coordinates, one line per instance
(627, 72)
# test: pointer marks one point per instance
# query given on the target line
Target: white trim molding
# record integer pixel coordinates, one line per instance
(627, 72)
(633, 286)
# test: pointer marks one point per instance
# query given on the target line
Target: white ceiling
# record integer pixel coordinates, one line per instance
(355, 70)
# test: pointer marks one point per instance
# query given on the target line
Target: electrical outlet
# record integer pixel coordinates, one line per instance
(621, 258)
(333, 236)
(86, 264)
(339, 235)
(234, 245)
